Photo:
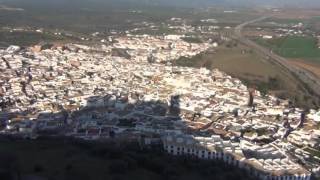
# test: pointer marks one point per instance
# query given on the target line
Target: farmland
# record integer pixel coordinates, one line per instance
(294, 47)
(255, 71)
(300, 51)
(26, 38)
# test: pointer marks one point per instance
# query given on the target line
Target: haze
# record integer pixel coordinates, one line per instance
(182, 3)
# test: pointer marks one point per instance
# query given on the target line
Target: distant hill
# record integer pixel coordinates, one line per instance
(281, 3)
(182, 3)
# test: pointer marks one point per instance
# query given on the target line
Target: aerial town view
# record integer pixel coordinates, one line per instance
(159, 89)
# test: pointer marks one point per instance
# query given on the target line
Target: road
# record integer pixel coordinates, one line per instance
(306, 77)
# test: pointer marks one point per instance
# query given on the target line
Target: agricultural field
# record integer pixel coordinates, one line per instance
(315, 23)
(313, 67)
(301, 51)
(27, 38)
(233, 61)
(255, 71)
(294, 47)
(297, 13)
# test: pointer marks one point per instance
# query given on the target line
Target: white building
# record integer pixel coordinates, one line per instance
(215, 148)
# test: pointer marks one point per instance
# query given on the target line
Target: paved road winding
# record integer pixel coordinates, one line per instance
(311, 80)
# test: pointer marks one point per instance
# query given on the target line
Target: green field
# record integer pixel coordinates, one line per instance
(293, 47)
(255, 71)
(283, 21)
(28, 38)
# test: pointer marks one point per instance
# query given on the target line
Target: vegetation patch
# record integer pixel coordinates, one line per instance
(293, 46)
(192, 39)
(25, 38)
(313, 152)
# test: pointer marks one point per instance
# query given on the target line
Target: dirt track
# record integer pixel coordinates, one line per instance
(311, 67)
